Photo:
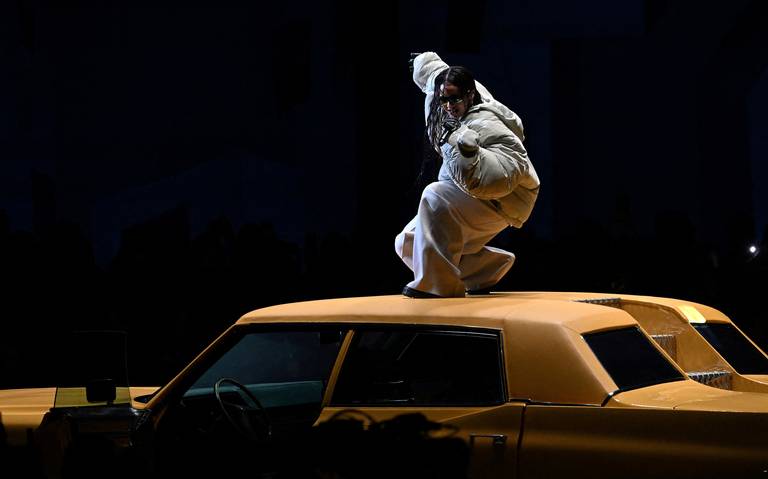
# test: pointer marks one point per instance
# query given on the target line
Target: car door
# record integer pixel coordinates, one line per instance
(452, 376)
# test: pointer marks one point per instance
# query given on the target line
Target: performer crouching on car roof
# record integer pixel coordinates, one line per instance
(486, 183)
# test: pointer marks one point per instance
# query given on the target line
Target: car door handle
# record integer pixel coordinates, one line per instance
(498, 439)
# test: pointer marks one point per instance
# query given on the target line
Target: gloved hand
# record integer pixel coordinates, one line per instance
(468, 143)
(410, 61)
(449, 126)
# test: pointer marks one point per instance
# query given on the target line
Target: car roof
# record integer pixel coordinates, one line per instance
(491, 311)
(564, 308)
(543, 340)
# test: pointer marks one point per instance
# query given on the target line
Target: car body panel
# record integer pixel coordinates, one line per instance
(691, 351)
(566, 441)
(492, 433)
(690, 395)
(22, 410)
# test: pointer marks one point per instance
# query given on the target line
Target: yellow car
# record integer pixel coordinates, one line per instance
(538, 385)
(701, 340)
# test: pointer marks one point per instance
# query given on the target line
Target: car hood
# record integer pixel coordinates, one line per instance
(31, 401)
(34, 399)
(690, 395)
(22, 410)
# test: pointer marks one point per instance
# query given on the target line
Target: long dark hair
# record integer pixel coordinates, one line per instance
(465, 81)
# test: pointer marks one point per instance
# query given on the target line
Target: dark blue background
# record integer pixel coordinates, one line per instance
(166, 169)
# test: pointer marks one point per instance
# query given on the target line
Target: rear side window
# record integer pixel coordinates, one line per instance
(425, 368)
(630, 358)
(734, 347)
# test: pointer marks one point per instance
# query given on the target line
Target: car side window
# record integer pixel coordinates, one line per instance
(631, 359)
(386, 367)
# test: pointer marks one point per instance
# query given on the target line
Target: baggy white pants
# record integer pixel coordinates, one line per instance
(444, 245)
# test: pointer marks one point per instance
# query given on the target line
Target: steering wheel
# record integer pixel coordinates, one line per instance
(248, 417)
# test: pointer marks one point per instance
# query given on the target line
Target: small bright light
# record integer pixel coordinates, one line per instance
(753, 249)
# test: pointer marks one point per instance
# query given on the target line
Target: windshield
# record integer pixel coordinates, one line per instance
(281, 368)
(732, 345)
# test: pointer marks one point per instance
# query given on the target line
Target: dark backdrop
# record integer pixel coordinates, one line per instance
(165, 170)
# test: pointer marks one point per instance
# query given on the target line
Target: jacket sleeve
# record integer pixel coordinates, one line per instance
(426, 67)
(490, 170)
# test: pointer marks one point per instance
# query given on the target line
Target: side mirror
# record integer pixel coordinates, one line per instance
(92, 370)
(101, 390)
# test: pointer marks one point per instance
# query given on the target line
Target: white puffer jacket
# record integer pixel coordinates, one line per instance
(499, 170)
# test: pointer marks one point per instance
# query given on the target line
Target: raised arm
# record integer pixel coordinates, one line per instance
(426, 67)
